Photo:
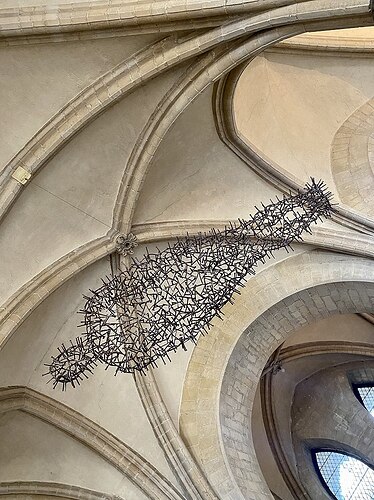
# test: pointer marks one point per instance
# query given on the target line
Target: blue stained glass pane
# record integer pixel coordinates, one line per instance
(367, 396)
(346, 477)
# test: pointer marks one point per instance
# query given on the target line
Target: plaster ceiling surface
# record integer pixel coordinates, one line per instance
(130, 167)
(303, 102)
(193, 175)
(39, 444)
(371, 151)
(110, 401)
(52, 73)
(76, 192)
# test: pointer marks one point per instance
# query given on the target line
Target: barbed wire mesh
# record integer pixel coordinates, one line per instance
(170, 297)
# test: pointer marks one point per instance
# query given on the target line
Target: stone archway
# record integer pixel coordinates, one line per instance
(257, 344)
(352, 157)
(226, 365)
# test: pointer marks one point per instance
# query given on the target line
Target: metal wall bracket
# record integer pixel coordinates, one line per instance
(21, 175)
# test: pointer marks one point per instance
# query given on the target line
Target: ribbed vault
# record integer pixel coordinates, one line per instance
(113, 126)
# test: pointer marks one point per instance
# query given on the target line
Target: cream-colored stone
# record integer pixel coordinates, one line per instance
(303, 101)
(31, 448)
(153, 163)
(53, 74)
(193, 176)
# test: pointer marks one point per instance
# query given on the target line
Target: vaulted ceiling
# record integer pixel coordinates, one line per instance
(161, 118)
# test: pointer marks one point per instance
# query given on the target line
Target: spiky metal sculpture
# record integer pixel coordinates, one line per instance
(169, 297)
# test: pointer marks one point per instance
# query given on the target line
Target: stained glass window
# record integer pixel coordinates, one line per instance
(345, 477)
(366, 396)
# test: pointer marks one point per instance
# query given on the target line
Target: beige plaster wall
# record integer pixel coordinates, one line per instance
(52, 73)
(38, 230)
(112, 402)
(344, 328)
(170, 380)
(194, 176)
(34, 450)
(75, 193)
(351, 159)
(366, 32)
(289, 106)
(88, 171)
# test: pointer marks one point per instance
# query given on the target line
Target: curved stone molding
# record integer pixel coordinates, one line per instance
(269, 171)
(352, 159)
(117, 453)
(166, 112)
(208, 407)
(280, 456)
(191, 84)
(135, 16)
(180, 460)
(28, 297)
(321, 237)
(15, 310)
(284, 356)
(175, 450)
(282, 319)
(317, 348)
(77, 113)
(159, 57)
(42, 488)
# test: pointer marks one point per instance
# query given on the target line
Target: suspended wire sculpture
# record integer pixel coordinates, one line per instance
(169, 297)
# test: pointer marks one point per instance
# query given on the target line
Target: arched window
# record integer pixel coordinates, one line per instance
(345, 477)
(365, 394)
